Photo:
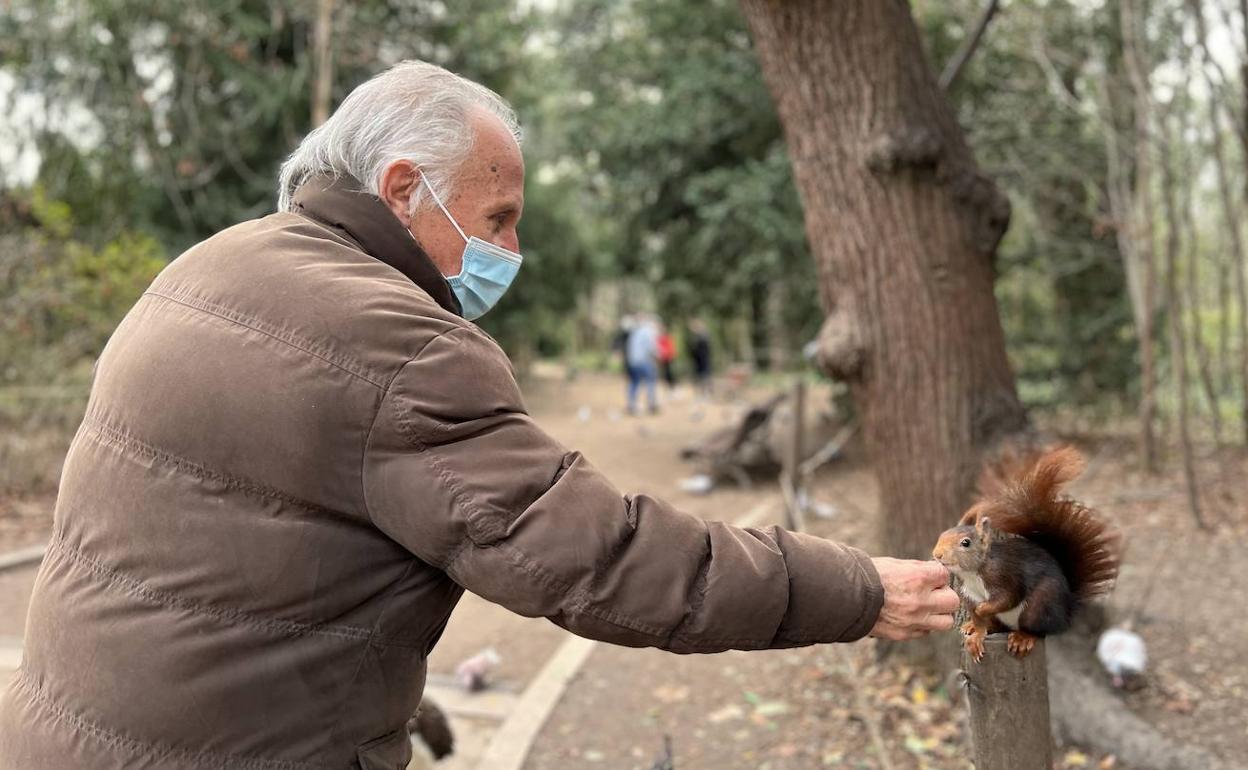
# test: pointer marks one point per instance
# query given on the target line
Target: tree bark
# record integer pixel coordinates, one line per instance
(1178, 346)
(1241, 265)
(1143, 274)
(903, 227)
(1192, 297)
(1243, 79)
(1232, 220)
(323, 85)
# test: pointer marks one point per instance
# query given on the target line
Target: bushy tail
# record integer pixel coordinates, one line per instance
(1021, 496)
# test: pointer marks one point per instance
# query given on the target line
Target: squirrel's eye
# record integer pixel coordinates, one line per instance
(966, 542)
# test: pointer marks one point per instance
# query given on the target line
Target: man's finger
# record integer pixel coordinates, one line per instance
(944, 600)
(936, 574)
(939, 622)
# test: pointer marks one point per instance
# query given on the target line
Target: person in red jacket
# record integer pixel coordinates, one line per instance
(667, 354)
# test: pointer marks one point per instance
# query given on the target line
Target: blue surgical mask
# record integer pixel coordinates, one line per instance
(486, 272)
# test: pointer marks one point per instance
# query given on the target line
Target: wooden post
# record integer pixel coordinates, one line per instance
(1009, 701)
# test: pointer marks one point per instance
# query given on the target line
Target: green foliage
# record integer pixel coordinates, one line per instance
(656, 165)
(60, 297)
(666, 112)
(1062, 288)
(173, 117)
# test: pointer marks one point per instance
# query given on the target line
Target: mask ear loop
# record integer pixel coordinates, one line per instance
(434, 195)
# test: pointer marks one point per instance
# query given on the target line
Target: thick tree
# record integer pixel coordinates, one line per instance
(903, 227)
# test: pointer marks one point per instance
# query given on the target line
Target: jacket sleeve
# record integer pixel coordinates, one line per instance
(458, 473)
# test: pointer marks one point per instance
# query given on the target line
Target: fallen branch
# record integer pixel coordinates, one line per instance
(1086, 713)
(829, 451)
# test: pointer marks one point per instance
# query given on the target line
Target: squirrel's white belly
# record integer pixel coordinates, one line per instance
(1010, 617)
(973, 588)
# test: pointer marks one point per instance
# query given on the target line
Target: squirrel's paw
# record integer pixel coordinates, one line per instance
(1020, 643)
(975, 645)
(968, 627)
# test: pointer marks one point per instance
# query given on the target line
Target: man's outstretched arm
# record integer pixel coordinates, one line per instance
(460, 475)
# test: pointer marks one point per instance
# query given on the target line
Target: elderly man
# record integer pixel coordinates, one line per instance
(299, 451)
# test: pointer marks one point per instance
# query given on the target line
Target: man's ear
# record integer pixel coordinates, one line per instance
(399, 183)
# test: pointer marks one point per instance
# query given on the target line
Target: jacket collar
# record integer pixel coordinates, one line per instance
(340, 203)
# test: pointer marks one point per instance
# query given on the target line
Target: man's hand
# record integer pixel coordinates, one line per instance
(917, 599)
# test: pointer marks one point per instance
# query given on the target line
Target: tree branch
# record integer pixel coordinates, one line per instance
(959, 60)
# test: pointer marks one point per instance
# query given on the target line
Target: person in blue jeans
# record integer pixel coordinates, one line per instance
(641, 356)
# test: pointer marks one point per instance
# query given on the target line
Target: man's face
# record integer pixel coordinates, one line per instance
(487, 201)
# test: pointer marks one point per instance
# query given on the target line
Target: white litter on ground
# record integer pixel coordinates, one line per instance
(700, 484)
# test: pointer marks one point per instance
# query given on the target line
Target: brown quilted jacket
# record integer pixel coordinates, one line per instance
(295, 458)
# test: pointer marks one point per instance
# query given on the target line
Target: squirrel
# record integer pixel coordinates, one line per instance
(1027, 556)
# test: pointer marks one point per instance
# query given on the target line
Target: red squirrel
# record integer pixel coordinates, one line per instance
(1027, 556)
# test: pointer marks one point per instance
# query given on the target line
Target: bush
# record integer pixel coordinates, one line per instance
(60, 299)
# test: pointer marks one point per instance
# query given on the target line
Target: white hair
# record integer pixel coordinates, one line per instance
(414, 111)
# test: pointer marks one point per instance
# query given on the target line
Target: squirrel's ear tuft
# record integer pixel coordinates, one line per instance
(975, 513)
(983, 529)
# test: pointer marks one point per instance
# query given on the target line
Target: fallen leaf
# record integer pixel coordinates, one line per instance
(771, 708)
(730, 712)
(670, 694)
(1180, 704)
(915, 745)
(1075, 758)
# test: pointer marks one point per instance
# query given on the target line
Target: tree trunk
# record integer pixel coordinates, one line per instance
(323, 85)
(1174, 308)
(1140, 227)
(903, 227)
(1243, 80)
(1240, 266)
(969, 43)
(760, 327)
(1232, 220)
(783, 347)
(1189, 172)
(1192, 296)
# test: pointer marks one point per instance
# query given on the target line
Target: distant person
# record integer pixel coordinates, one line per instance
(643, 363)
(699, 349)
(619, 344)
(299, 451)
(667, 358)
